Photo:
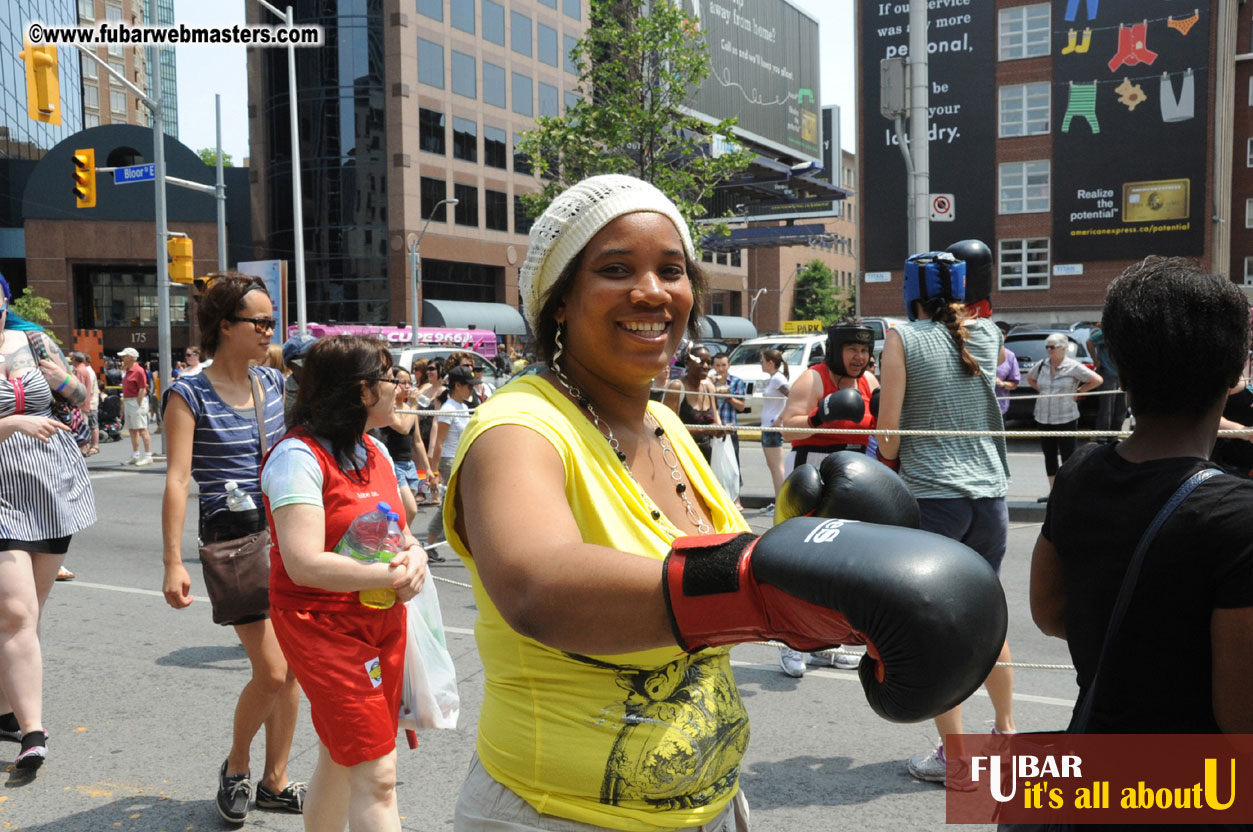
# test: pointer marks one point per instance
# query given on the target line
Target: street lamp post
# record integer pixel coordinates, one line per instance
(752, 305)
(415, 268)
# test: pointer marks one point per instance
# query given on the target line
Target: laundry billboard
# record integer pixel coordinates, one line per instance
(764, 71)
(1130, 128)
(961, 48)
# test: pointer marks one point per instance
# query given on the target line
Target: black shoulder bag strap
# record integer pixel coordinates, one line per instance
(1080, 722)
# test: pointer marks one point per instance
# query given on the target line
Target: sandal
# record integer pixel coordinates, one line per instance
(93, 451)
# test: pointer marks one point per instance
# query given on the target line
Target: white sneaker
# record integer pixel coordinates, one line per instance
(144, 460)
(792, 662)
(840, 661)
(132, 461)
(929, 767)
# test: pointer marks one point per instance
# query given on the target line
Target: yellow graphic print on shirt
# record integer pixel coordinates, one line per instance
(683, 725)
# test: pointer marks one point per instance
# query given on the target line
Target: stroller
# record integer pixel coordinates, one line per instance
(110, 417)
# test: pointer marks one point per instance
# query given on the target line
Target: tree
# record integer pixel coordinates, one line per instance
(816, 298)
(34, 308)
(209, 156)
(636, 71)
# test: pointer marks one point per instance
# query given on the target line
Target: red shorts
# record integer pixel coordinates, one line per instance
(351, 667)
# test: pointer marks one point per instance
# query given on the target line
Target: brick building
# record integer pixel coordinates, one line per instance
(1106, 139)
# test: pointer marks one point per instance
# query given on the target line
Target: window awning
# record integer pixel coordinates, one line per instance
(463, 314)
(767, 237)
(726, 328)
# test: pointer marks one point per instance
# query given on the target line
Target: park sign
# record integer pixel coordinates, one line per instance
(763, 71)
(801, 327)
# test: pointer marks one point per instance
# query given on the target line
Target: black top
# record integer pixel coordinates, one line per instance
(1202, 559)
(399, 445)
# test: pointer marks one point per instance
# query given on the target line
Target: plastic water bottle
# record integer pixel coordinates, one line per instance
(393, 544)
(237, 499)
(365, 536)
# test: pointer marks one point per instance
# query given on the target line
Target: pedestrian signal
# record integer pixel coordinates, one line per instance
(43, 89)
(180, 251)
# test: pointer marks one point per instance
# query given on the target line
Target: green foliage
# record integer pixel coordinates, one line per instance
(816, 298)
(636, 71)
(34, 308)
(209, 156)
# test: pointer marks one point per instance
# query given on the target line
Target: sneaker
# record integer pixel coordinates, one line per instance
(34, 750)
(792, 662)
(290, 799)
(234, 794)
(840, 661)
(144, 460)
(132, 461)
(433, 556)
(929, 767)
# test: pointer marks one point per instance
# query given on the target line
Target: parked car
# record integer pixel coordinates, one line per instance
(799, 352)
(881, 327)
(404, 357)
(1028, 346)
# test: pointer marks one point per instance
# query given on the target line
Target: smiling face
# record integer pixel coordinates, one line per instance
(630, 299)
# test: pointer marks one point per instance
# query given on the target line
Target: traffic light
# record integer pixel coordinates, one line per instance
(43, 88)
(179, 249)
(85, 177)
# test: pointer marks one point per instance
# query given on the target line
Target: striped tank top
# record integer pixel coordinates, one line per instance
(225, 444)
(940, 394)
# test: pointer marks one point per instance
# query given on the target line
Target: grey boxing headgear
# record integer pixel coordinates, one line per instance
(841, 334)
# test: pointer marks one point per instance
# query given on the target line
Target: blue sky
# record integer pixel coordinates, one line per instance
(204, 71)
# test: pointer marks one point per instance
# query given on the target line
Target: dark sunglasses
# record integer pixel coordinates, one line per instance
(377, 379)
(261, 325)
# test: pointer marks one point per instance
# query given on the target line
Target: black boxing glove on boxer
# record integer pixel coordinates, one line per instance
(841, 406)
(848, 486)
(930, 611)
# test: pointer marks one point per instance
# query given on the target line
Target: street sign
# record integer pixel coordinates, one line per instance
(135, 173)
(798, 327)
(878, 277)
(941, 207)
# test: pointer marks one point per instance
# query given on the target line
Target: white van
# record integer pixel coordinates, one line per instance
(799, 351)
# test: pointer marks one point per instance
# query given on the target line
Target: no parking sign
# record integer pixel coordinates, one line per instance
(941, 207)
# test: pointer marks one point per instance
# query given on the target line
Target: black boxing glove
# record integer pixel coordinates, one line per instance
(874, 402)
(930, 611)
(841, 406)
(849, 486)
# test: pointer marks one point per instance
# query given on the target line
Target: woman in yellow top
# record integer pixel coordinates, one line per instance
(578, 505)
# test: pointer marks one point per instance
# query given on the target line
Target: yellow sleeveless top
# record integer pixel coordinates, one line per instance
(639, 741)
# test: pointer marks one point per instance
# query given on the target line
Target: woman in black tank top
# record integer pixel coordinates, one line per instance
(403, 443)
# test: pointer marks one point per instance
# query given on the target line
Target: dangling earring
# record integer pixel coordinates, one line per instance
(557, 343)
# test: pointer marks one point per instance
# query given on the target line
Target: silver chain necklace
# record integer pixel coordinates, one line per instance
(667, 452)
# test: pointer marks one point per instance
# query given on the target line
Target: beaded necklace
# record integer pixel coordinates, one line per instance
(667, 451)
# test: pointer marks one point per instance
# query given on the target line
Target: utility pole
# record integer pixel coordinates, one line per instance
(919, 144)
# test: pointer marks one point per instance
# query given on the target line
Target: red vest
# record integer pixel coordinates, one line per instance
(343, 501)
(822, 440)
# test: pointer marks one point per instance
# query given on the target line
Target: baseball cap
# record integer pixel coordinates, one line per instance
(460, 374)
(296, 346)
(131, 351)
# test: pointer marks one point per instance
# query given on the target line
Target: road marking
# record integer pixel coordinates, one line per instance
(845, 676)
(130, 589)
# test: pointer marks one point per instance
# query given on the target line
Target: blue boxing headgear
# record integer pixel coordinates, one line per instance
(933, 275)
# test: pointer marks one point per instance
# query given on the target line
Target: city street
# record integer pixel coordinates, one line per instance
(138, 697)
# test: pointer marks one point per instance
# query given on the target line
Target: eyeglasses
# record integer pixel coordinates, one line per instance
(203, 283)
(1052, 347)
(377, 379)
(261, 325)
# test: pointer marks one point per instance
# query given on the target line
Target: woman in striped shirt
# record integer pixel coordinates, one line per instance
(213, 437)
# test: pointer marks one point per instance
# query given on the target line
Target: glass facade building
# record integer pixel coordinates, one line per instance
(161, 13)
(343, 149)
(20, 136)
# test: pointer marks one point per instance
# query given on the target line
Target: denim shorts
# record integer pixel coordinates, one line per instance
(407, 474)
(982, 524)
(771, 439)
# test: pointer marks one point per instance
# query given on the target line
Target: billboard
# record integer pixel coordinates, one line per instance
(274, 274)
(1130, 129)
(788, 207)
(961, 47)
(764, 70)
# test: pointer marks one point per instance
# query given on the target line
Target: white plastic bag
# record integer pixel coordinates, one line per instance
(726, 469)
(430, 698)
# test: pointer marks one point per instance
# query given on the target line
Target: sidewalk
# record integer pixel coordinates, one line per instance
(1026, 467)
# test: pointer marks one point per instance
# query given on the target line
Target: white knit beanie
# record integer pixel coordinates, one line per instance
(573, 218)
